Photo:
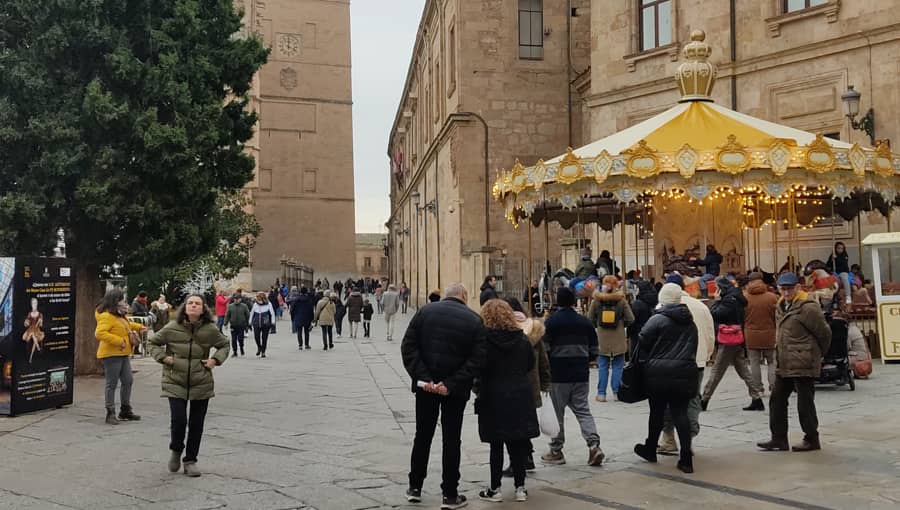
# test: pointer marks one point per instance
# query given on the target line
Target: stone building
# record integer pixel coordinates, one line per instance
(508, 70)
(786, 61)
(371, 260)
(303, 184)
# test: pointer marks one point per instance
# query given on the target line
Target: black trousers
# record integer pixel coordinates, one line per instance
(806, 407)
(303, 333)
(261, 335)
(338, 324)
(237, 340)
(367, 328)
(194, 424)
(678, 407)
(450, 409)
(328, 336)
(518, 452)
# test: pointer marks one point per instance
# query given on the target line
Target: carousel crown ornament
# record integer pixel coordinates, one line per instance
(696, 76)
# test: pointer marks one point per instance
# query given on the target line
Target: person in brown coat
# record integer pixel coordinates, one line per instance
(759, 334)
(354, 311)
(610, 314)
(802, 336)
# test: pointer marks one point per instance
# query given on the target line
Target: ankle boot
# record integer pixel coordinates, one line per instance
(111, 417)
(127, 414)
(756, 405)
(646, 452)
(190, 469)
(174, 461)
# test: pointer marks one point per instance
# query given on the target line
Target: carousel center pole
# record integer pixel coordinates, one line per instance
(530, 271)
(775, 265)
(624, 259)
(646, 268)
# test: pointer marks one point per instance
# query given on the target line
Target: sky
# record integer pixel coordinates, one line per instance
(382, 36)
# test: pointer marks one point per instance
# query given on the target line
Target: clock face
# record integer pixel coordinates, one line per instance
(289, 45)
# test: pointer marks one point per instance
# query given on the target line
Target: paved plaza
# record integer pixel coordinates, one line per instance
(333, 430)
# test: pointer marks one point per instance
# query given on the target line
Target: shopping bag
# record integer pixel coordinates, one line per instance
(631, 389)
(546, 415)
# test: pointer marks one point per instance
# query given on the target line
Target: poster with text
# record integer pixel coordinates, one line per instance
(43, 334)
(7, 345)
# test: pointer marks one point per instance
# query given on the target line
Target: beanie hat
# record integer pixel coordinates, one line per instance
(724, 283)
(670, 294)
(565, 297)
(755, 276)
(676, 279)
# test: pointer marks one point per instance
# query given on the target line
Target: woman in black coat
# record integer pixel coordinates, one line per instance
(642, 308)
(505, 403)
(667, 354)
(302, 312)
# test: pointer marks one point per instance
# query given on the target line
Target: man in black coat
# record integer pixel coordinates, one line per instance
(443, 351)
(488, 292)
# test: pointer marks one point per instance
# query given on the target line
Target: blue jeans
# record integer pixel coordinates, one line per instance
(848, 289)
(603, 367)
(220, 321)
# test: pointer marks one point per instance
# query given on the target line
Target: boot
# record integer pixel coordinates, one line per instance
(809, 444)
(174, 461)
(704, 404)
(126, 414)
(645, 452)
(756, 405)
(776, 445)
(111, 417)
(190, 469)
(668, 446)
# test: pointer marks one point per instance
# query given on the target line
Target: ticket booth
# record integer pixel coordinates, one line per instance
(886, 279)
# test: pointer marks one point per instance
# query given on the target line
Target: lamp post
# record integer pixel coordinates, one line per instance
(866, 124)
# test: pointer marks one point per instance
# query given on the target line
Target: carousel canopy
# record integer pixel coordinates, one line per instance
(698, 149)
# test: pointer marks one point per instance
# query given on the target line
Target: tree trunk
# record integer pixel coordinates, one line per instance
(88, 292)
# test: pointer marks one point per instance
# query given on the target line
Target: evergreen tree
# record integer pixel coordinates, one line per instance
(121, 122)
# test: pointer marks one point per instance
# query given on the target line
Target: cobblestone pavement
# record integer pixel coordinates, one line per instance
(332, 430)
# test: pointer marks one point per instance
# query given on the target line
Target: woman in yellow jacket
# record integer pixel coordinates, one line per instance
(114, 352)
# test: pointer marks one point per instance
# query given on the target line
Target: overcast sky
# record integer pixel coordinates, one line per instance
(383, 34)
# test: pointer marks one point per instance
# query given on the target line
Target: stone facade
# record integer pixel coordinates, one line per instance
(788, 67)
(303, 184)
(371, 261)
(467, 61)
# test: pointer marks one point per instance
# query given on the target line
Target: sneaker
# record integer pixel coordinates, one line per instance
(774, 445)
(453, 503)
(174, 461)
(668, 445)
(595, 456)
(521, 494)
(190, 469)
(553, 458)
(414, 495)
(600, 398)
(492, 495)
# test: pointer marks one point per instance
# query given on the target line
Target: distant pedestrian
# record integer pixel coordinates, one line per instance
(379, 293)
(728, 312)
(390, 304)
(571, 344)
(302, 314)
(354, 311)
(759, 330)
(113, 334)
(161, 310)
(325, 319)
(184, 345)
(443, 351)
(279, 312)
(238, 318)
(261, 318)
(610, 314)
(273, 300)
(367, 313)
(434, 296)
(802, 337)
(340, 310)
(140, 307)
(505, 402)
(221, 308)
(404, 297)
(666, 353)
(488, 291)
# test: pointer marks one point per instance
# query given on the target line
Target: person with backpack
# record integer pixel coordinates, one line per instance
(237, 316)
(261, 318)
(610, 314)
(728, 314)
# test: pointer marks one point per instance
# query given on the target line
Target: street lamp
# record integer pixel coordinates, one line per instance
(866, 124)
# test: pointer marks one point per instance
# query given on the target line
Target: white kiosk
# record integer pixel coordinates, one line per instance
(885, 251)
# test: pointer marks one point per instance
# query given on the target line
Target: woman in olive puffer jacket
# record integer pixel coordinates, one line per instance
(183, 346)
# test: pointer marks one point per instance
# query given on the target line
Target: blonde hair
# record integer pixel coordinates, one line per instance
(497, 314)
(612, 281)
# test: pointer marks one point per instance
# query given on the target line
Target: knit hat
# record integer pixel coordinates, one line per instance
(724, 283)
(755, 276)
(676, 279)
(565, 297)
(670, 294)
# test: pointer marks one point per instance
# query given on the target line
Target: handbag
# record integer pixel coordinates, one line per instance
(730, 334)
(546, 416)
(631, 389)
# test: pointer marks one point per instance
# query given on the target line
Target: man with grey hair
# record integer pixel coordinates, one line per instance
(390, 303)
(443, 351)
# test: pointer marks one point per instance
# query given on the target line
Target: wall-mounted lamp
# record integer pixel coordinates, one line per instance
(430, 206)
(851, 109)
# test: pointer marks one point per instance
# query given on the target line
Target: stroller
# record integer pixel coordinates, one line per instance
(836, 367)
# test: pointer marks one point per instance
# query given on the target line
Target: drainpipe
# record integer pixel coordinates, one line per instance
(733, 34)
(487, 184)
(569, 64)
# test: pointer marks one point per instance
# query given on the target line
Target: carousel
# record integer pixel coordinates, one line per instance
(700, 174)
